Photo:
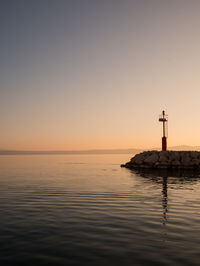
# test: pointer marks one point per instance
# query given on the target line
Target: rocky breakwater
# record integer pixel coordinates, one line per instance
(165, 159)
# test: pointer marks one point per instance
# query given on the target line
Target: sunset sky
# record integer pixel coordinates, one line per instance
(96, 74)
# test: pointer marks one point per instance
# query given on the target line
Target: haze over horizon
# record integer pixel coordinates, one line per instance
(81, 75)
(97, 151)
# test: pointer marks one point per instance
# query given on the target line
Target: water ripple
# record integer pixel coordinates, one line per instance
(55, 213)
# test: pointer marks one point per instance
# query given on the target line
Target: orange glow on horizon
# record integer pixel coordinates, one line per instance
(99, 79)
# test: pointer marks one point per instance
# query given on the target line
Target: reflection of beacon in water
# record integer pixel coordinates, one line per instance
(164, 119)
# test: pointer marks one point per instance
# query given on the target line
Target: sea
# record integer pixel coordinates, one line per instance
(87, 210)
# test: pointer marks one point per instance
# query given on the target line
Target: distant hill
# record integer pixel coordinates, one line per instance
(185, 148)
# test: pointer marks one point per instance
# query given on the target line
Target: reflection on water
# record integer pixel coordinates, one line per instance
(175, 176)
(86, 210)
(164, 201)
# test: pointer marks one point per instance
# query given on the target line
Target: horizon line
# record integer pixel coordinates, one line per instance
(89, 151)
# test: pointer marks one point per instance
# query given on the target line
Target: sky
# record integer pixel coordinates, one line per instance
(96, 74)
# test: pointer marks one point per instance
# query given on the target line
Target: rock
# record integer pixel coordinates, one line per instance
(139, 158)
(195, 162)
(175, 163)
(195, 154)
(152, 159)
(165, 159)
(175, 156)
(185, 160)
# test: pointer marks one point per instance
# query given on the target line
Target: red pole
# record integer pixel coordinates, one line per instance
(164, 120)
(164, 143)
(164, 139)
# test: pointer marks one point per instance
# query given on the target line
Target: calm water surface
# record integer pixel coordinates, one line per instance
(86, 210)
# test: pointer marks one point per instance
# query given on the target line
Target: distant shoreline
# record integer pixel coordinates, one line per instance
(122, 151)
(94, 151)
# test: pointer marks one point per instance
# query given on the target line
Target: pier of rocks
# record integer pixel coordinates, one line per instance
(165, 159)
